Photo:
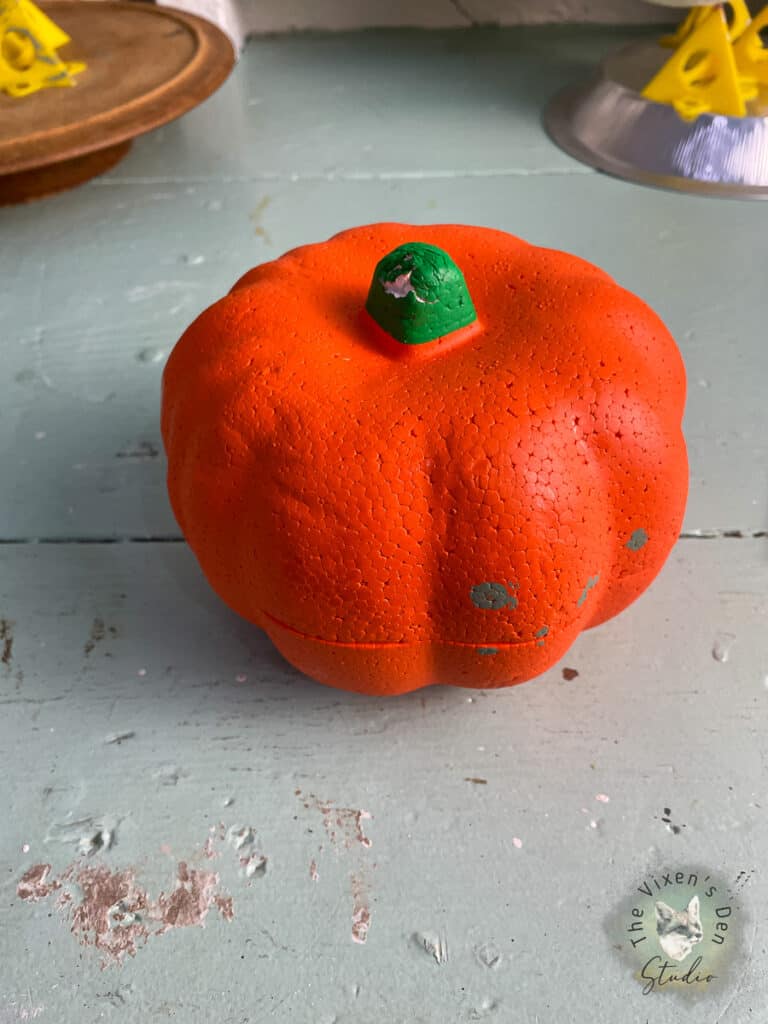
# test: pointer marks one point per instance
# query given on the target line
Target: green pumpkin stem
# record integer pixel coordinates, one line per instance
(418, 294)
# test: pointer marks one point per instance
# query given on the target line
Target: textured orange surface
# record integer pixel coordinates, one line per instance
(454, 512)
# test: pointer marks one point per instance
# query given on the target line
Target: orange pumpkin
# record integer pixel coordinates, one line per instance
(408, 476)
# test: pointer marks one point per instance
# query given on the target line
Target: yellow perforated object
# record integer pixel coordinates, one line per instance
(28, 44)
(751, 55)
(710, 71)
(693, 19)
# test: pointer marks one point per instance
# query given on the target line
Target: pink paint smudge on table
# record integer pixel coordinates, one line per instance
(344, 828)
(361, 913)
(225, 907)
(603, 798)
(34, 885)
(109, 910)
(241, 678)
(342, 824)
(517, 843)
(189, 903)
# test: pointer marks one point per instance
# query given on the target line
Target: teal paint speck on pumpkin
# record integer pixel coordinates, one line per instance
(638, 540)
(492, 597)
(487, 650)
(592, 582)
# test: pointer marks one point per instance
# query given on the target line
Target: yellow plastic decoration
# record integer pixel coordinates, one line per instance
(751, 55)
(701, 76)
(694, 18)
(28, 44)
(739, 21)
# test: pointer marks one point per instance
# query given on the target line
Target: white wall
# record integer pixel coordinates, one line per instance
(285, 15)
(246, 17)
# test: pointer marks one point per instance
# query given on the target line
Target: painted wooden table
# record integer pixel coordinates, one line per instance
(192, 830)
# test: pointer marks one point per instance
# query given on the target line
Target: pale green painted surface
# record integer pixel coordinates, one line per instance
(134, 703)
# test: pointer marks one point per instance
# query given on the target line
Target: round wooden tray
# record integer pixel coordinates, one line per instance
(146, 66)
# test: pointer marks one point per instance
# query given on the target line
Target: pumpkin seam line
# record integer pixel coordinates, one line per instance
(372, 644)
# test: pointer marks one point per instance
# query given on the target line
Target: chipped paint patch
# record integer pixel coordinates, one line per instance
(492, 596)
(361, 913)
(344, 828)
(110, 911)
(190, 901)
(34, 885)
(225, 906)
(342, 824)
(638, 540)
(401, 286)
(590, 585)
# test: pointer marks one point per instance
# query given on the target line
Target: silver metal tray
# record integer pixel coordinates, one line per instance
(608, 124)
